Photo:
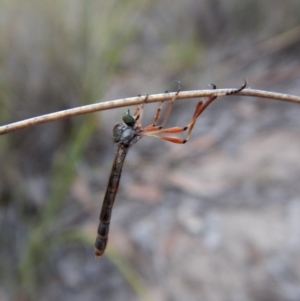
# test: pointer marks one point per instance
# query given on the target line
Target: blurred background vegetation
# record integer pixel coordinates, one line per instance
(215, 219)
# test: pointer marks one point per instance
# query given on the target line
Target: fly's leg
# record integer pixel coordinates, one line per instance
(154, 131)
(154, 127)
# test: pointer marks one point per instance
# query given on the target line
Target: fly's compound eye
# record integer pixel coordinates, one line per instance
(128, 119)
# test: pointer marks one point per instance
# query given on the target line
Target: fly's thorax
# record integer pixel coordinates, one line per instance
(125, 134)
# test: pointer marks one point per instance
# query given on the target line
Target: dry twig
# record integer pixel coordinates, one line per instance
(125, 102)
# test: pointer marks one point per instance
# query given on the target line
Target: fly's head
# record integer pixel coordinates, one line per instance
(129, 119)
(127, 133)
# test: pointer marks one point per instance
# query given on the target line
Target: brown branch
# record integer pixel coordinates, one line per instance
(125, 102)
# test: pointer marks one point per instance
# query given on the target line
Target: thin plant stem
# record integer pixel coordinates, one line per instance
(125, 102)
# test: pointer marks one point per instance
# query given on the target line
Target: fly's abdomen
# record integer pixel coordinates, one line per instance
(101, 240)
(108, 202)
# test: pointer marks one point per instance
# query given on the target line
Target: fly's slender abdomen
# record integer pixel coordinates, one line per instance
(109, 199)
